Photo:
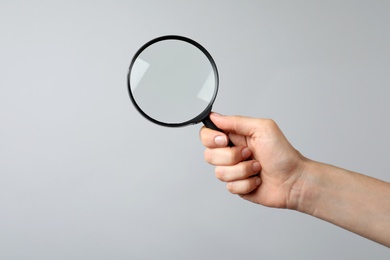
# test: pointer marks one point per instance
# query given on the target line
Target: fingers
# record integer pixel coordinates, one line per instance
(213, 139)
(227, 155)
(243, 187)
(232, 167)
(238, 140)
(240, 178)
(239, 171)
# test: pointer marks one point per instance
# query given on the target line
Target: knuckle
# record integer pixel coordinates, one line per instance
(206, 137)
(240, 187)
(219, 174)
(208, 155)
(230, 186)
(244, 170)
(270, 125)
(201, 133)
(247, 187)
(234, 155)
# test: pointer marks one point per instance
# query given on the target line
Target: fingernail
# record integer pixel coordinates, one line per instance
(258, 181)
(215, 114)
(246, 152)
(256, 166)
(220, 140)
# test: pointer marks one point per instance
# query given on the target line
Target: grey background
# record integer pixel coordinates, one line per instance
(84, 176)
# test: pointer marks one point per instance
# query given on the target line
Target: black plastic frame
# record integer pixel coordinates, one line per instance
(204, 115)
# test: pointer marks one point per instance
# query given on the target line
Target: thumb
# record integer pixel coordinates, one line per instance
(238, 124)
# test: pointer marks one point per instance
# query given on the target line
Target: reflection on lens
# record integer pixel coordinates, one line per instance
(207, 91)
(139, 68)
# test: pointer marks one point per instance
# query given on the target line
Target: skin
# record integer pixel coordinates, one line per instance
(264, 168)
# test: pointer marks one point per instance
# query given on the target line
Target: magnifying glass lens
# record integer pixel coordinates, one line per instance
(173, 81)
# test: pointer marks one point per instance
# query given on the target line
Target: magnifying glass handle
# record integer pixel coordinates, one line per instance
(209, 124)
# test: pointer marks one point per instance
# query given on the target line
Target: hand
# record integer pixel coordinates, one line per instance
(260, 147)
(286, 179)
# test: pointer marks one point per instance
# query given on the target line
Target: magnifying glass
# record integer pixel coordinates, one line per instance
(173, 81)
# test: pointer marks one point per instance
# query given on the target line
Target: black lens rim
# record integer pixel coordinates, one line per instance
(205, 113)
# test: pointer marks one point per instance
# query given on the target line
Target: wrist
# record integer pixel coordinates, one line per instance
(305, 188)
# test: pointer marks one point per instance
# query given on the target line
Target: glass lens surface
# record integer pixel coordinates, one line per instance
(172, 81)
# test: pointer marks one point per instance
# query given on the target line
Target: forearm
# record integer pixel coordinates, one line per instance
(356, 202)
